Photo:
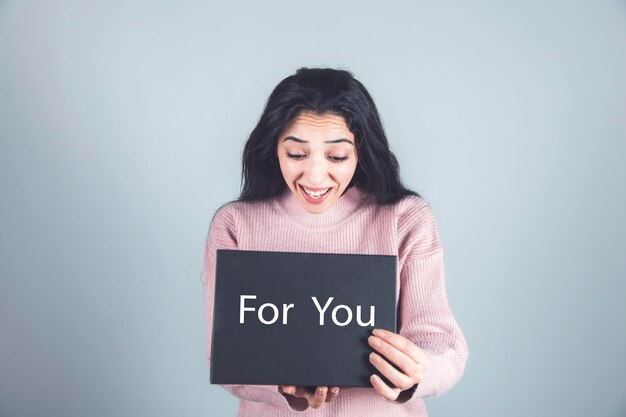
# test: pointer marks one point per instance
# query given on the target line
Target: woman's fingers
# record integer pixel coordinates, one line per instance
(406, 364)
(383, 389)
(409, 360)
(288, 389)
(316, 396)
(396, 377)
(402, 344)
(317, 399)
(332, 394)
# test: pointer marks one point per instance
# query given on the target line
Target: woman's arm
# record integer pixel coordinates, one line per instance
(222, 235)
(427, 321)
(432, 347)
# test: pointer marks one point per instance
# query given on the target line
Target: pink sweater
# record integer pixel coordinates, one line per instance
(353, 224)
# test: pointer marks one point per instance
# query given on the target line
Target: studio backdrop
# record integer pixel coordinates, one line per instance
(121, 130)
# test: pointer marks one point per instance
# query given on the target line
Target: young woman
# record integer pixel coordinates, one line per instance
(318, 176)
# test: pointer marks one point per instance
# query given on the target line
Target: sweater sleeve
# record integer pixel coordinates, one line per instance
(424, 312)
(222, 235)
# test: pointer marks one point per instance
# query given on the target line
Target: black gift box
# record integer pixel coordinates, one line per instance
(267, 321)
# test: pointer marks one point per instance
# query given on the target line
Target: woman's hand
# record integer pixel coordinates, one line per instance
(304, 397)
(404, 354)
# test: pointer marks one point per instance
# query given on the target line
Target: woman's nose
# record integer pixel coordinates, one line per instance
(316, 172)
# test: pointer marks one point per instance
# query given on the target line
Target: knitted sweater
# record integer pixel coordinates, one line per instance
(353, 224)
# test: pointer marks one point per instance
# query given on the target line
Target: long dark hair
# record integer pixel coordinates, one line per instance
(321, 90)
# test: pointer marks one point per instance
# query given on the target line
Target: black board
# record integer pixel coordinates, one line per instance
(300, 351)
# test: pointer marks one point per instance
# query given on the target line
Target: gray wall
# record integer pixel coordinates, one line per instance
(121, 129)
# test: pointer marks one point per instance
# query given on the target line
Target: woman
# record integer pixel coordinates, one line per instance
(318, 176)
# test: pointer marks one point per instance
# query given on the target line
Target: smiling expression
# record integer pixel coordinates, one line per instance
(318, 158)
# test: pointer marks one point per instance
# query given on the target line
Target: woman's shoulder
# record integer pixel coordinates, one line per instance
(412, 209)
(231, 211)
(417, 228)
(228, 209)
(228, 220)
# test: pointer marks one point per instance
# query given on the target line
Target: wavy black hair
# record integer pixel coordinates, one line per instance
(321, 90)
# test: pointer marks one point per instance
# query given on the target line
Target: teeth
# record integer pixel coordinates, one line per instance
(316, 194)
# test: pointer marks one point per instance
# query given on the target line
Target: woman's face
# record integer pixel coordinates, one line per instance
(317, 156)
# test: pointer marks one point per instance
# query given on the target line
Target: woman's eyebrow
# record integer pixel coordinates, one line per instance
(295, 139)
(339, 141)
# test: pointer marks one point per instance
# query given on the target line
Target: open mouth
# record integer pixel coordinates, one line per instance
(315, 195)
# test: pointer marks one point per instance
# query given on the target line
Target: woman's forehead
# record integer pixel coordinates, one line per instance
(327, 121)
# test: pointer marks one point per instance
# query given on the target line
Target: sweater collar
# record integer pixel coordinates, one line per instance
(346, 205)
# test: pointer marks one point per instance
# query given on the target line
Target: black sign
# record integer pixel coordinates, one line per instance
(299, 318)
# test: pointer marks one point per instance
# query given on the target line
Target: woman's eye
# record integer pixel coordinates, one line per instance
(338, 158)
(295, 155)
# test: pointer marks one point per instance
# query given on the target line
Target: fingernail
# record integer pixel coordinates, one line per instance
(380, 333)
(374, 341)
(372, 357)
(375, 378)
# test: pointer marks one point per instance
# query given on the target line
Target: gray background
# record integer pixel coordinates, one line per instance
(122, 125)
